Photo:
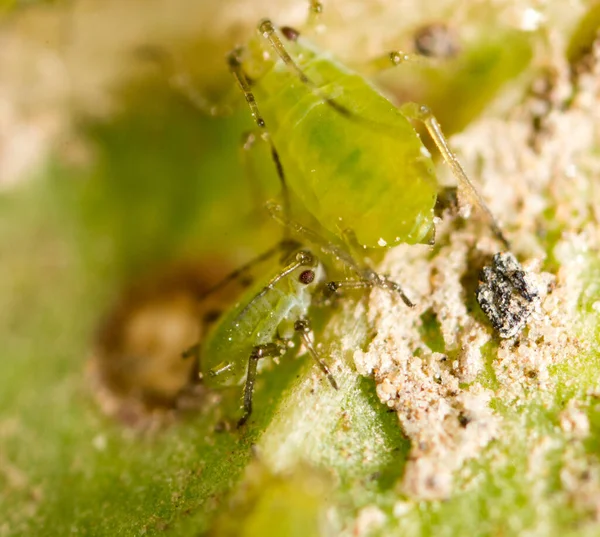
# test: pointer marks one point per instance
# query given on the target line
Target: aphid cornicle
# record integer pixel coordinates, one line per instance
(351, 160)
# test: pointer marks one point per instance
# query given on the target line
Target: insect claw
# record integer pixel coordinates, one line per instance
(265, 27)
(384, 283)
(333, 382)
(407, 301)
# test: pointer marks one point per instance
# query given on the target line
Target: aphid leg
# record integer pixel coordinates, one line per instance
(466, 187)
(302, 326)
(267, 29)
(285, 247)
(364, 273)
(237, 70)
(181, 81)
(369, 276)
(393, 58)
(260, 351)
(377, 280)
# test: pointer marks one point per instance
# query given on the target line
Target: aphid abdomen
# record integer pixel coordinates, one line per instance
(368, 172)
(236, 334)
(231, 342)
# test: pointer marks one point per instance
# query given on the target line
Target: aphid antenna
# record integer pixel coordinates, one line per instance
(238, 73)
(267, 29)
(286, 246)
(301, 258)
(411, 110)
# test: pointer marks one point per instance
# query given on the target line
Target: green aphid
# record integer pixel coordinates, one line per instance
(346, 173)
(345, 153)
(263, 325)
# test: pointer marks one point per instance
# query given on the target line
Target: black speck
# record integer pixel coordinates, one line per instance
(464, 420)
(290, 34)
(506, 295)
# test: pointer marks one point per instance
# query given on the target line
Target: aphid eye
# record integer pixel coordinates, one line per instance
(289, 33)
(307, 277)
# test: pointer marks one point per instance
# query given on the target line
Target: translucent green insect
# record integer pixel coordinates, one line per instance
(352, 162)
(344, 152)
(264, 325)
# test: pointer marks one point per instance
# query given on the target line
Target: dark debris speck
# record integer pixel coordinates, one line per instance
(507, 295)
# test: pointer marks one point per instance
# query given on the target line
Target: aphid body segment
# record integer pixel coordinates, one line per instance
(367, 171)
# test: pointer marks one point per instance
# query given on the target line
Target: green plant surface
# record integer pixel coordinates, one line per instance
(159, 185)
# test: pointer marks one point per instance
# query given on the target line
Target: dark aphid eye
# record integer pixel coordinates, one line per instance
(289, 33)
(307, 277)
